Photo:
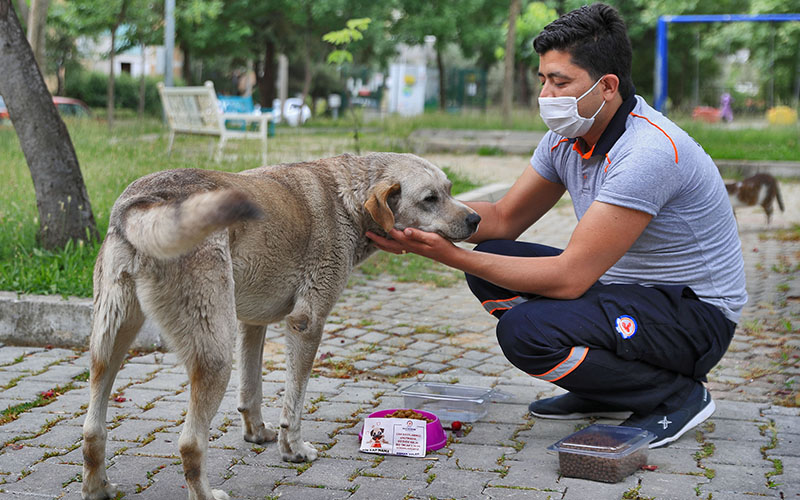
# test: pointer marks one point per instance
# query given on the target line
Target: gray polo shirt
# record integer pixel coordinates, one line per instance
(645, 162)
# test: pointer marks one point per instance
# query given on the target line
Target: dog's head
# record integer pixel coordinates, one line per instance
(376, 432)
(412, 192)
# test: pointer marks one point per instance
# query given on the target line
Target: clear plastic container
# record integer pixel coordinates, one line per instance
(451, 401)
(607, 453)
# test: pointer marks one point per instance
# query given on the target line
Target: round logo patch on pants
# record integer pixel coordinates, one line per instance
(626, 326)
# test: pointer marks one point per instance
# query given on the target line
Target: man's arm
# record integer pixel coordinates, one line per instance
(529, 199)
(601, 238)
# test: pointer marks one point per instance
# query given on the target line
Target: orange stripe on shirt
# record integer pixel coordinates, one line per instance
(559, 143)
(662, 131)
(608, 164)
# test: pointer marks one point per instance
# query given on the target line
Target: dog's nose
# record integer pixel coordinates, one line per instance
(472, 221)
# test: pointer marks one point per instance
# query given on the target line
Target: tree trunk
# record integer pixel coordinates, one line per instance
(524, 84)
(508, 77)
(442, 80)
(22, 7)
(37, 22)
(186, 69)
(61, 198)
(110, 94)
(307, 71)
(142, 82)
(265, 79)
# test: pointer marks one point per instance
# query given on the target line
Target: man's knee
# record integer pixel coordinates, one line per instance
(523, 343)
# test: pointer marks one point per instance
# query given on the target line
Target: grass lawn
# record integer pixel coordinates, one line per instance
(111, 160)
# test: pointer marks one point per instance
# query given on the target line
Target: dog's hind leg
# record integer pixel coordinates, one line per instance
(251, 355)
(302, 339)
(117, 319)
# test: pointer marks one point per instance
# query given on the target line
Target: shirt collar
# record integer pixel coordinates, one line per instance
(612, 133)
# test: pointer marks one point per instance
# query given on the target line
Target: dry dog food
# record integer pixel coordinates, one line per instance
(604, 453)
(409, 414)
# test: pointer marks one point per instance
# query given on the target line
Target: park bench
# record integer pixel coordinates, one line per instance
(196, 111)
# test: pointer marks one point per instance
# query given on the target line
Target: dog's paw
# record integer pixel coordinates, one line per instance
(264, 434)
(105, 492)
(304, 452)
(220, 495)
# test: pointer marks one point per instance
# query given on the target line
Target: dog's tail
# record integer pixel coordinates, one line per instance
(778, 195)
(167, 230)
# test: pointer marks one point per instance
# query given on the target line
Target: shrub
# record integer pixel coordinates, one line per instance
(92, 88)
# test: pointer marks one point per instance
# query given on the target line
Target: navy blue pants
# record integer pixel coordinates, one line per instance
(636, 347)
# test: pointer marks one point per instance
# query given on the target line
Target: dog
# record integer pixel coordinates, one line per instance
(760, 189)
(211, 256)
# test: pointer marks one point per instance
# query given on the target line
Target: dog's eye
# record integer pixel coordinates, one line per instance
(431, 198)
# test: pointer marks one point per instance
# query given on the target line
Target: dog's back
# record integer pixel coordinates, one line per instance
(760, 189)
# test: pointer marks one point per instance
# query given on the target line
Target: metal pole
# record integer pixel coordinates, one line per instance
(169, 41)
(660, 90)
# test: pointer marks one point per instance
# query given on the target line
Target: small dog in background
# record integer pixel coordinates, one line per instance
(760, 189)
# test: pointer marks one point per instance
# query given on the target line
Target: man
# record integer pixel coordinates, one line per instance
(644, 300)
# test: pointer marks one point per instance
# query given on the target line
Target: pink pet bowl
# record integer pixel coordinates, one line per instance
(435, 436)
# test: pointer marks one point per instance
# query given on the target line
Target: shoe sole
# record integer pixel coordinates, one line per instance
(620, 415)
(694, 422)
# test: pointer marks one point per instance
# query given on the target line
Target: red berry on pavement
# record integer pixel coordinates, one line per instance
(456, 425)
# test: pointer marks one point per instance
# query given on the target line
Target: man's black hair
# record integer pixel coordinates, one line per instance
(597, 40)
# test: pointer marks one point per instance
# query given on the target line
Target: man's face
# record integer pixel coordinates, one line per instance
(560, 77)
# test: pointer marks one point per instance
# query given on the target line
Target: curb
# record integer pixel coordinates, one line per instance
(39, 320)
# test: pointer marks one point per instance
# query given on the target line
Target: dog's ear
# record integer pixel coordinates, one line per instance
(378, 207)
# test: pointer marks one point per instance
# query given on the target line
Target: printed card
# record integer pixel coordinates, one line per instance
(394, 436)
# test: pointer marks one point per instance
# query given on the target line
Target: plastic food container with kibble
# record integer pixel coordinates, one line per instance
(451, 402)
(607, 453)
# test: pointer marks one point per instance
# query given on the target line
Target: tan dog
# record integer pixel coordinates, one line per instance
(206, 253)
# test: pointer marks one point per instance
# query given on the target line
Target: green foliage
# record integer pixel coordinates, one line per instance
(92, 88)
(344, 37)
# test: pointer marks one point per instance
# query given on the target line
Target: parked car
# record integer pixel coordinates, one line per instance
(3, 111)
(296, 113)
(68, 106)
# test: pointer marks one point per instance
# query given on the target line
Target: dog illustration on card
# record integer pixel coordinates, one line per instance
(377, 434)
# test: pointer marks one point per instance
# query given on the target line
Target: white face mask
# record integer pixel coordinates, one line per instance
(560, 114)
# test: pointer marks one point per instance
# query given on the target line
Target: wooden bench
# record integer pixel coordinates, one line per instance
(196, 111)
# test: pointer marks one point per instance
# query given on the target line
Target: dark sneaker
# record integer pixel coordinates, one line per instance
(569, 406)
(668, 428)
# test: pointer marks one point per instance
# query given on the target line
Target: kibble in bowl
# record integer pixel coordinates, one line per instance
(607, 453)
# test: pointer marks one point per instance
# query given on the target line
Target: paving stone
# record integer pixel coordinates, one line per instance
(669, 486)
(478, 457)
(379, 488)
(511, 493)
(43, 480)
(579, 489)
(736, 479)
(454, 483)
(332, 473)
(289, 492)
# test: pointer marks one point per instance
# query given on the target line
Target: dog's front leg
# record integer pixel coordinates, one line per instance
(251, 356)
(302, 339)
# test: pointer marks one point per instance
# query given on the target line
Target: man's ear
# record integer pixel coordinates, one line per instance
(377, 206)
(610, 84)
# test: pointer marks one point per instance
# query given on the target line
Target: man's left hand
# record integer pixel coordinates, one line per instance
(412, 240)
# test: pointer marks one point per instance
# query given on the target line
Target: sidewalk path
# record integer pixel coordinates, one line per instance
(384, 335)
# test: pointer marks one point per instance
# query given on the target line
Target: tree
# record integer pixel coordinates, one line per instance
(37, 21)
(61, 198)
(508, 77)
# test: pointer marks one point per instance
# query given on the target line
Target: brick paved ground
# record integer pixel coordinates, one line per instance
(384, 335)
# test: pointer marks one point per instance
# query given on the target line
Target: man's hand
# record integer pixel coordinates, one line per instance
(429, 245)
